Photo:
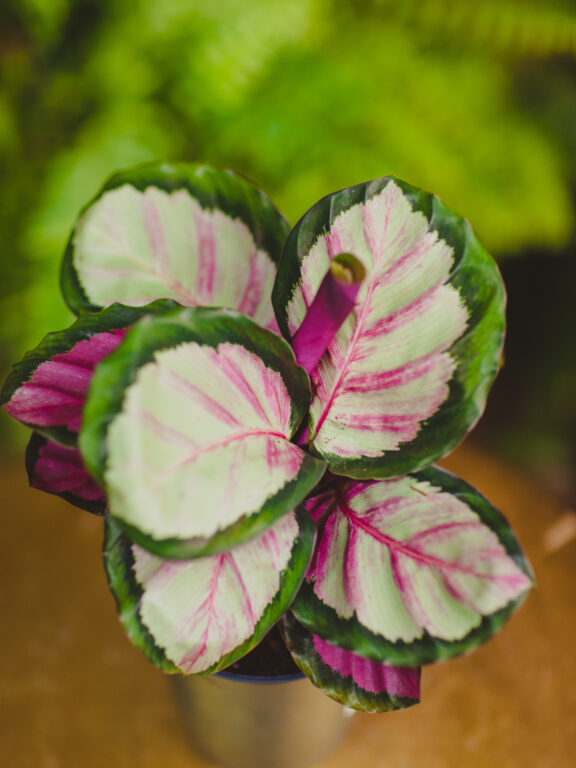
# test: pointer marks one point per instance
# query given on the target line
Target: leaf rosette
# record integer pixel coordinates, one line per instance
(259, 429)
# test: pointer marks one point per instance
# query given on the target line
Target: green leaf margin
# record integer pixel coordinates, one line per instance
(119, 566)
(210, 327)
(478, 352)
(323, 620)
(213, 188)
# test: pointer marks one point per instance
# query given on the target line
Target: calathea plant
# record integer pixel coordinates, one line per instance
(256, 412)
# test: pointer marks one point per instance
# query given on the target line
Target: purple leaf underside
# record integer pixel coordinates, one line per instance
(60, 470)
(55, 394)
(371, 676)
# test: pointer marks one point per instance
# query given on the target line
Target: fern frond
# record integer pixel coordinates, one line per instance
(515, 28)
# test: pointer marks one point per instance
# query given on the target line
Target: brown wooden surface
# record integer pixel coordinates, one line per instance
(74, 692)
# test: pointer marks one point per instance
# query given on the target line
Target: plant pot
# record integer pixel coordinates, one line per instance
(240, 721)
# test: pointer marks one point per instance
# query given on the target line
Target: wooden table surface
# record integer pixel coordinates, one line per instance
(75, 694)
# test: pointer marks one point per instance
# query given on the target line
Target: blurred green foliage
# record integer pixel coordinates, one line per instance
(473, 100)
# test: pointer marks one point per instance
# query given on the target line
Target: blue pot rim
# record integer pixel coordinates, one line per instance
(261, 679)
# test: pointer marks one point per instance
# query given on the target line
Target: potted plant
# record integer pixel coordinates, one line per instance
(256, 411)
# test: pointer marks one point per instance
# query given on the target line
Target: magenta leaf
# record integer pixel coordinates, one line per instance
(60, 470)
(47, 389)
(353, 680)
(410, 570)
(54, 396)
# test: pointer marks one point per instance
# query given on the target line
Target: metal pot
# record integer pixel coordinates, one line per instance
(259, 722)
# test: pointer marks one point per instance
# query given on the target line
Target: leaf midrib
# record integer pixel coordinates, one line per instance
(360, 322)
(399, 547)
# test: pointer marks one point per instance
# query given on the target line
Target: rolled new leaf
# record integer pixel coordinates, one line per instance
(60, 470)
(332, 304)
(348, 678)
(187, 426)
(47, 389)
(199, 235)
(407, 374)
(201, 615)
(411, 570)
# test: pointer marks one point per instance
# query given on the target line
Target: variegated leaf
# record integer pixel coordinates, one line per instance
(407, 374)
(353, 680)
(411, 570)
(60, 470)
(188, 427)
(47, 389)
(192, 233)
(198, 616)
